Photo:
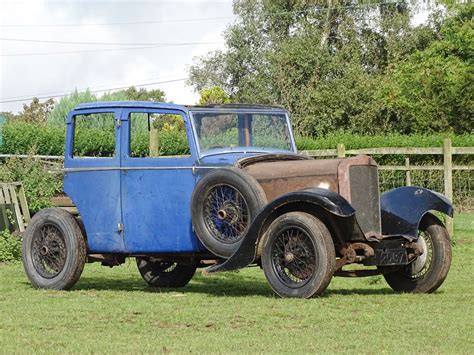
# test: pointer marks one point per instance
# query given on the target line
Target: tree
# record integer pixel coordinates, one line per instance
(142, 94)
(325, 60)
(36, 111)
(214, 95)
(67, 103)
(433, 89)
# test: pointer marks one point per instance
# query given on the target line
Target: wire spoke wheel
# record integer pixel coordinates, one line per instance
(429, 270)
(165, 273)
(294, 258)
(298, 255)
(223, 206)
(422, 264)
(48, 252)
(54, 250)
(226, 213)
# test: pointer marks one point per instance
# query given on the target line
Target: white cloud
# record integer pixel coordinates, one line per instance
(53, 74)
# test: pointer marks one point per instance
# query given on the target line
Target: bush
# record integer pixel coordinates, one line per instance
(39, 184)
(21, 137)
(10, 247)
(352, 141)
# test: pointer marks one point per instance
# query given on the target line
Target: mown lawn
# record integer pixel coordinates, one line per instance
(111, 310)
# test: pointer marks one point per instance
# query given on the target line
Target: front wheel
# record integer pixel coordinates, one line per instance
(427, 272)
(54, 250)
(161, 273)
(298, 256)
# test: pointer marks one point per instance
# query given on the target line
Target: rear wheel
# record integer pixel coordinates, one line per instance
(54, 250)
(427, 272)
(161, 273)
(298, 256)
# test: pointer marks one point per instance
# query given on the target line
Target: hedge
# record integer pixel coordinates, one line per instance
(21, 138)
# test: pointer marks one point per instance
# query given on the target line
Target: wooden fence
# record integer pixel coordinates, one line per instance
(447, 151)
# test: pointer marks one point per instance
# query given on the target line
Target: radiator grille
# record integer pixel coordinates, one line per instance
(365, 199)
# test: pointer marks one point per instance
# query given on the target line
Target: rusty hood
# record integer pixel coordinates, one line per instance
(280, 175)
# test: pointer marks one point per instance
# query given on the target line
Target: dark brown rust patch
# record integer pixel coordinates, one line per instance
(280, 177)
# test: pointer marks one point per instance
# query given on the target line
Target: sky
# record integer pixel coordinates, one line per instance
(174, 32)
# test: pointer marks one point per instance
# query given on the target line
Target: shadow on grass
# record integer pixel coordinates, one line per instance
(231, 284)
(223, 285)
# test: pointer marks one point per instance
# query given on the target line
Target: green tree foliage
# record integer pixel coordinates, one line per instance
(214, 95)
(142, 94)
(331, 63)
(432, 90)
(36, 111)
(67, 103)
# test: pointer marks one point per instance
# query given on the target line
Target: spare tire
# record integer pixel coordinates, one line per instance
(224, 203)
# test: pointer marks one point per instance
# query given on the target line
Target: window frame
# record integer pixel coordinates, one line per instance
(77, 161)
(162, 160)
(200, 154)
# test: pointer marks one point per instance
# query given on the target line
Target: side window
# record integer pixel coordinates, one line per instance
(94, 135)
(157, 135)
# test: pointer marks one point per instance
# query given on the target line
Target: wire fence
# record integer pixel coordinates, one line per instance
(463, 184)
(447, 170)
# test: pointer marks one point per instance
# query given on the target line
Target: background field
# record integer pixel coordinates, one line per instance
(112, 310)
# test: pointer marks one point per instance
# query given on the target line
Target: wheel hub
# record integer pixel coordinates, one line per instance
(420, 262)
(221, 214)
(289, 257)
(44, 250)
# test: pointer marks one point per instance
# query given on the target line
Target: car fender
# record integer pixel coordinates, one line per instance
(403, 208)
(307, 200)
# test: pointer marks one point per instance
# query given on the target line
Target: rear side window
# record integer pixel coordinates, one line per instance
(94, 135)
(155, 135)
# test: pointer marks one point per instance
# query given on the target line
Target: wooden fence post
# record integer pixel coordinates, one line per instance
(408, 172)
(448, 178)
(154, 145)
(341, 150)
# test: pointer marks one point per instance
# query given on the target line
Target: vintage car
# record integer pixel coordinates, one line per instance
(238, 195)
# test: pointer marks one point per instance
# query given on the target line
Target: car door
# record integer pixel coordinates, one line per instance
(157, 181)
(92, 176)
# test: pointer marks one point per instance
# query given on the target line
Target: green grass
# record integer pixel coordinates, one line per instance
(112, 310)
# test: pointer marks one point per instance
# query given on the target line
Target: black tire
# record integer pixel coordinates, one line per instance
(428, 271)
(298, 256)
(160, 273)
(53, 250)
(224, 203)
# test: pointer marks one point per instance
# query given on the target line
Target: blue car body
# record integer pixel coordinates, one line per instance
(139, 205)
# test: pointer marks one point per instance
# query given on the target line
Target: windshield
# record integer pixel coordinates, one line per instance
(235, 131)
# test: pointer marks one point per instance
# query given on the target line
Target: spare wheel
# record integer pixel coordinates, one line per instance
(224, 203)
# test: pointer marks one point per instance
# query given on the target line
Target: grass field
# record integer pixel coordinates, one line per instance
(111, 310)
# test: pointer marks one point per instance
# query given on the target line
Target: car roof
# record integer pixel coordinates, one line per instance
(136, 104)
(171, 106)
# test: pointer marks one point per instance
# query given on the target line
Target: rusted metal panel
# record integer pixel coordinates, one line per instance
(280, 177)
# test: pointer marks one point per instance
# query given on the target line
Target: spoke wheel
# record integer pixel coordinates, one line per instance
(429, 270)
(294, 257)
(53, 250)
(298, 256)
(49, 252)
(223, 206)
(226, 213)
(164, 273)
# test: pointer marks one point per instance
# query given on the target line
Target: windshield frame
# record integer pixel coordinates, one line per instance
(228, 150)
